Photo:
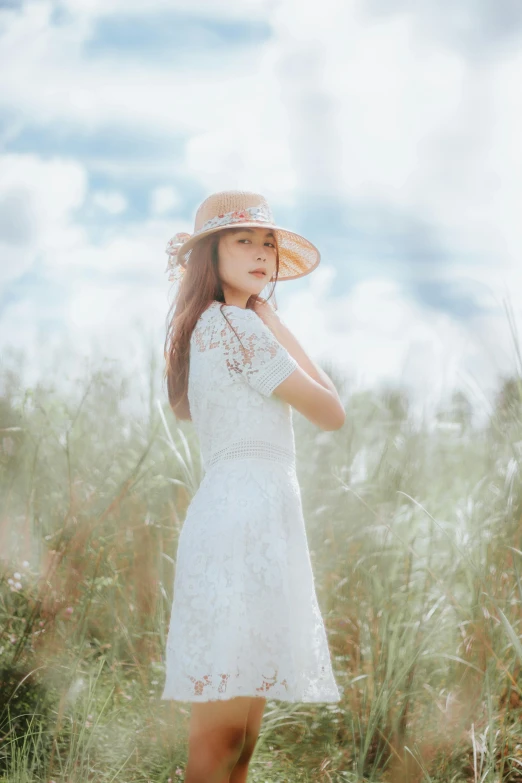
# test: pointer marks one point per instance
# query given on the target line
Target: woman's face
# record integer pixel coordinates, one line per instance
(240, 251)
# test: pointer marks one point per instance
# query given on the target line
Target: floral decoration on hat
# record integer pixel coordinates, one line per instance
(175, 270)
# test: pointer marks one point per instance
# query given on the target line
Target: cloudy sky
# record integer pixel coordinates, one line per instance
(386, 131)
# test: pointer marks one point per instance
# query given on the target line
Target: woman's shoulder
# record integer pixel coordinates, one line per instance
(230, 308)
(218, 318)
(222, 312)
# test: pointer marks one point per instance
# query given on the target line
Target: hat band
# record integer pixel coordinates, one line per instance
(260, 214)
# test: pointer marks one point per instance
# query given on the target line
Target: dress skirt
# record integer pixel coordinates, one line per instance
(245, 620)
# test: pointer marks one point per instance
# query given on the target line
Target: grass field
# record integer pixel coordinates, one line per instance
(415, 534)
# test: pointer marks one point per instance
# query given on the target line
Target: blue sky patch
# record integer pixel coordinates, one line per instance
(109, 142)
(167, 35)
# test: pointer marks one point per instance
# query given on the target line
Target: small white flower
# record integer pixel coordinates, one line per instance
(8, 445)
(17, 575)
(75, 689)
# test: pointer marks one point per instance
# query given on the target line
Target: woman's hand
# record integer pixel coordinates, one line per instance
(267, 314)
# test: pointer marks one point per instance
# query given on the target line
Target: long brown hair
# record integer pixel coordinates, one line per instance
(199, 287)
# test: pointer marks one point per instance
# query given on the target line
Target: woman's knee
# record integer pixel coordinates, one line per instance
(247, 750)
(219, 729)
(253, 726)
(213, 753)
(224, 740)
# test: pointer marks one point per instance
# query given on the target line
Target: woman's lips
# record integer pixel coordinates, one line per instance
(258, 274)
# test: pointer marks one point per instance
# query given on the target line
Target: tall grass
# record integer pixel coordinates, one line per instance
(415, 537)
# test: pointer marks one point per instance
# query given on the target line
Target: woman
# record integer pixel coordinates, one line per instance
(245, 623)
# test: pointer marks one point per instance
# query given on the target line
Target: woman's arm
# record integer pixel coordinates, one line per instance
(283, 334)
(294, 347)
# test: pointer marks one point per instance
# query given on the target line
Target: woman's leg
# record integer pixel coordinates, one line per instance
(255, 715)
(217, 732)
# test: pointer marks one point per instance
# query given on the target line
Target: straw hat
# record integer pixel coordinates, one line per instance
(235, 208)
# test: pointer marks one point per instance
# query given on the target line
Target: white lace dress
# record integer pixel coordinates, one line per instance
(245, 620)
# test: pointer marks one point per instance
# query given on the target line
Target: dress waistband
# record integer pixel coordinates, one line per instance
(254, 449)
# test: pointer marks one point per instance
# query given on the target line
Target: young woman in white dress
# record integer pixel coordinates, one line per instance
(245, 623)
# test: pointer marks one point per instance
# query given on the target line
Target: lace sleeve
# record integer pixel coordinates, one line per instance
(255, 353)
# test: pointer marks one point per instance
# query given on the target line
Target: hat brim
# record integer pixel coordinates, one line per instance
(297, 255)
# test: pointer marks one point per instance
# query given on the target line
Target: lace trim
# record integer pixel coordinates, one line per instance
(207, 680)
(320, 687)
(277, 371)
(256, 449)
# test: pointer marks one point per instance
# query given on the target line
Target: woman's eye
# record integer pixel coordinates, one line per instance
(248, 240)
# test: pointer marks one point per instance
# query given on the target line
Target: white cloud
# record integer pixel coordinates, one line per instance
(105, 312)
(213, 9)
(164, 199)
(380, 112)
(46, 80)
(377, 335)
(135, 251)
(110, 201)
(238, 157)
(359, 108)
(37, 200)
(120, 324)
